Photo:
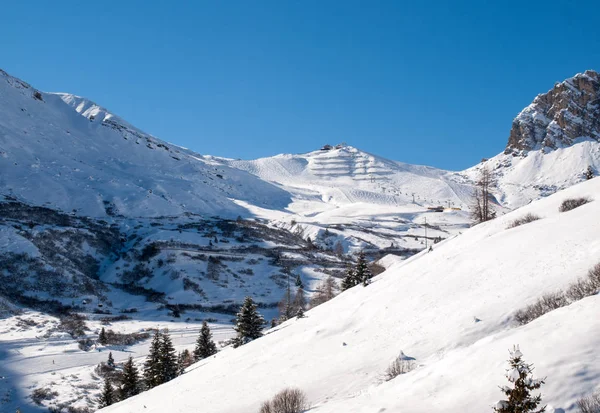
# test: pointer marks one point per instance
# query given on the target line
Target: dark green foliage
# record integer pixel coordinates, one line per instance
(205, 346)
(130, 381)
(249, 323)
(107, 397)
(111, 361)
(519, 396)
(299, 282)
(152, 366)
(349, 280)
(168, 358)
(102, 337)
(589, 173)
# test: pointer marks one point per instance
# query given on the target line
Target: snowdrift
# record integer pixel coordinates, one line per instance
(451, 309)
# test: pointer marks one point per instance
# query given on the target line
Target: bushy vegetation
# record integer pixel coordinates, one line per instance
(583, 287)
(289, 400)
(525, 219)
(399, 366)
(43, 393)
(589, 404)
(572, 203)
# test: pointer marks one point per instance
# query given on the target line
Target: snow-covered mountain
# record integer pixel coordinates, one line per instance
(451, 310)
(552, 143)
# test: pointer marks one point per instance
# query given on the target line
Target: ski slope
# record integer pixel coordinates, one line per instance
(450, 309)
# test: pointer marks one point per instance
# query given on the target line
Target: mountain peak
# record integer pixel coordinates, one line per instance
(569, 111)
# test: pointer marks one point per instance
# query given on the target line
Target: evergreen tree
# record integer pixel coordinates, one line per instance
(349, 280)
(102, 337)
(363, 273)
(168, 359)
(205, 346)
(249, 323)
(107, 397)
(111, 361)
(130, 382)
(299, 282)
(152, 365)
(519, 398)
(589, 173)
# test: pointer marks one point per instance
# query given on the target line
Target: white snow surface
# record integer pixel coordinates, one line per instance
(450, 309)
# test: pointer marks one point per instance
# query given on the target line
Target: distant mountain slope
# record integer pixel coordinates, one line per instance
(450, 309)
(68, 153)
(552, 143)
(346, 175)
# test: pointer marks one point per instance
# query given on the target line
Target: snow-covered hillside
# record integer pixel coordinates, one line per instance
(67, 153)
(450, 309)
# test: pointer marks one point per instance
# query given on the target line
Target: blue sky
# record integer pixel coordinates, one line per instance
(434, 83)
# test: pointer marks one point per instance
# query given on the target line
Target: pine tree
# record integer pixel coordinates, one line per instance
(152, 365)
(363, 273)
(249, 323)
(349, 280)
(130, 382)
(519, 397)
(111, 361)
(102, 337)
(589, 173)
(107, 397)
(299, 282)
(168, 359)
(205, 346)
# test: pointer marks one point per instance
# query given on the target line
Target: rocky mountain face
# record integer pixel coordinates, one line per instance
(555, 119)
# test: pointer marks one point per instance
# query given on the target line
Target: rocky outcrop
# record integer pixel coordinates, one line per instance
(555, 119)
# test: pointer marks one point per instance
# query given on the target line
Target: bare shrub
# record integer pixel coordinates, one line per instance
(289, 400)
(399, 366)
(594, 276)
(525, 219)
(578, 290)
(590, 404)
(41, 394)
(545, 304)
(266, 407)
(572, 203)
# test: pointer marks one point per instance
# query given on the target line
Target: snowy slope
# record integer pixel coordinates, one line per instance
(68, 153)
(449, 309)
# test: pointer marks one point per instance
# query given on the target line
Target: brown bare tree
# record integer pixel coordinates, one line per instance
(481, 210)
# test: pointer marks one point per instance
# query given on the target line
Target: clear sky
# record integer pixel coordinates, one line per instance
(425, 82)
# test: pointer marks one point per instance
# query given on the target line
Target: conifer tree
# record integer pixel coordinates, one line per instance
(130, 382)
(205, 346)
(299, 282)
(107, 397)
(589, 173)
(349, 280)
(152, 365)
(249, 323)
(168, 359)
(519, 395)
(111, 361)
(363, 273)
(102, 337)
(286, 310)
